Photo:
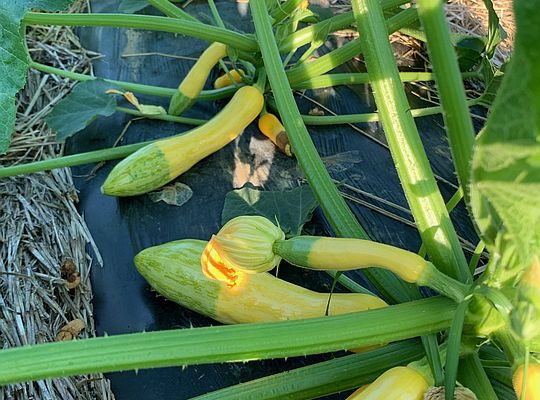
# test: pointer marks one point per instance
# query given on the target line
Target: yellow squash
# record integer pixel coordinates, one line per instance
(532, 384)
(245, 247)
(194, 81)
(174, 270)
(271, 127)
(160, 162)
(398, 383)
(225, 80)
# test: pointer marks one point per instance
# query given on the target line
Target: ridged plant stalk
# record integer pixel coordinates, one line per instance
(171, 10)
(73, 160)
(369, 117)
(225, 343)
(449, 87)
(333, 205)
(323, 378)
(283, 10)
(332, 24)
(206, 32)
(472, 375)
(330, 80)
(341, 55)
(214, 94)
(423, 196)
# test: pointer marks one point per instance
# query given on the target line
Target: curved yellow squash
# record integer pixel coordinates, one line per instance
(173, 269)
(160, 162)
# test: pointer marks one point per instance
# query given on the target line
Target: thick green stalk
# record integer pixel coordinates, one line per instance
(453, 350)
(334, 207)
(324, 378)
(284, 9)
(472, 375)
(326, 192)
(332, 24)
(368, 117)
(329, 80)
(425, 200)
(341, 55)
(72, 160)
(170, 10)
(450, 87)
(164, 24)
(215, 344)
(215, 94)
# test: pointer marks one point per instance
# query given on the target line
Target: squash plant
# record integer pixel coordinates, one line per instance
(499, 173)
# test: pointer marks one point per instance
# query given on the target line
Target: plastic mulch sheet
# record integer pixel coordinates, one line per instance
(123, 302)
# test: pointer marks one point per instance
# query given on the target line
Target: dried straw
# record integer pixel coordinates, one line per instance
(41, 229)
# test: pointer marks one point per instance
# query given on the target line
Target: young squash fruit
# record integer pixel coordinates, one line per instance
(244, 246)
(271, 127)
(398, 383)
(225, 80)
(532, 383)
(160, 162)
(193, 83)
(174, 270)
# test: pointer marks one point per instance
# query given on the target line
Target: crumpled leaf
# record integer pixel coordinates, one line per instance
(132, 6)
(143, 108)
(290, 208)
(505, 189)
(175, 195)
(493, 78)
(14, 59)
(496, 33)
(80, 107)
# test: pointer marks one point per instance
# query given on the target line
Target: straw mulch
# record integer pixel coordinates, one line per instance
(43, 237)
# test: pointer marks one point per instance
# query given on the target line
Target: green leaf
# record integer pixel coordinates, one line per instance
(132, 6)
(14, 59)
(506, 164)
(78, 109)
(469, 51)
(291, 208)
(496, 33)
(493, 78)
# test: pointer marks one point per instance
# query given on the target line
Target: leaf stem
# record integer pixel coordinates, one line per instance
(332, 24)
(346, 52)
(333, 205)
(283, 10)
(162, 117)
(215, 344)
(164, 24)
(423, 196)
(453, 350)
(172, 11)
(215, 94)
(73, 160)
(329, 80)
(450, 87)
(323, 378)
(472, 375)
(369, 117)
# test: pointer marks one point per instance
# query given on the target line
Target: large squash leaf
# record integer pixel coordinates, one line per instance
(14, 59)
(81, 107)
(290, 208)
(506, 164)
